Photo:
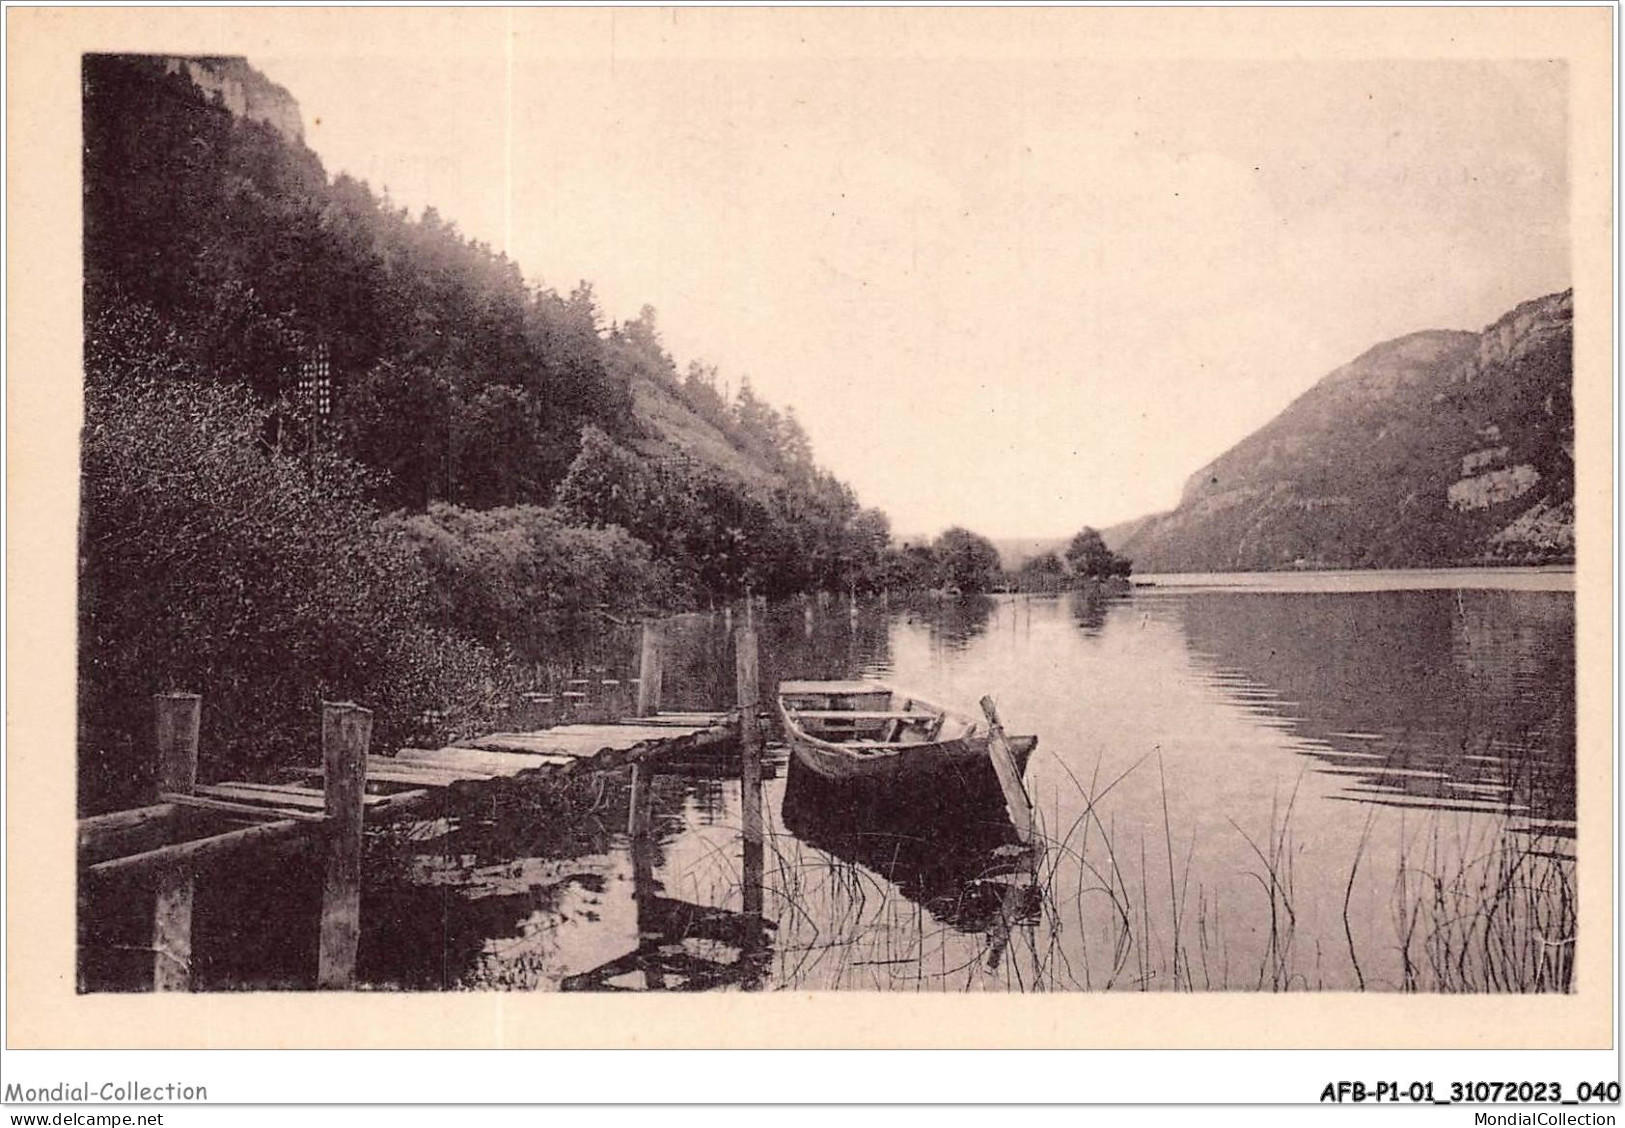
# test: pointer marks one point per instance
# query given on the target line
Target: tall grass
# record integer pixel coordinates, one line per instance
(1473, 907)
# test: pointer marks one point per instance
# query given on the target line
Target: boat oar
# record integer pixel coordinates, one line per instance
(1016, 800)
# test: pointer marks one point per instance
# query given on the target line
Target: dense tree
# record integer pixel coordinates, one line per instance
(700, 392)
(518, 578)
(607, 485)
(1089, 557)
(869, 542)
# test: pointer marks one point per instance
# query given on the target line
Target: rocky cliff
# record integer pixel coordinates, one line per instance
(1432, 449)
(247, 93)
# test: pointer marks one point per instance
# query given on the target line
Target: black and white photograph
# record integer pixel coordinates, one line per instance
(667, 502)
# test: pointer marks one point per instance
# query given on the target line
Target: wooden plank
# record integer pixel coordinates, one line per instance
(611, 736)
(592, 747)
(198, 851)
(297, 798)
(376, 765)
(714, 716)
(303, 791)
(485, 764)
(178, 716)
(862, 715)
(124, 832)
(503, 763)
(620, 735)
(539, 743)
(388, 769)
(607, 731)
(421, 777)
(250, 810)
(346, 733)
(274, 788)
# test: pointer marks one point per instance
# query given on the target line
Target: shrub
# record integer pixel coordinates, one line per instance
(213, 562)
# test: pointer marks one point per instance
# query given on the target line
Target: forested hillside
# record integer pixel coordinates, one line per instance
(332, 449)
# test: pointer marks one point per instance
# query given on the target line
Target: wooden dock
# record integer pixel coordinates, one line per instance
(408, 779)
(196, 826)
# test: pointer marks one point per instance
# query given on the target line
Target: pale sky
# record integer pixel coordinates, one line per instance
(1021, 297)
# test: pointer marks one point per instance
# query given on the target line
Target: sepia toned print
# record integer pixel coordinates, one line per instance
(683, 526)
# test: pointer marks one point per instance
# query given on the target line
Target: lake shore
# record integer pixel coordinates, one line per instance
(1544, 577)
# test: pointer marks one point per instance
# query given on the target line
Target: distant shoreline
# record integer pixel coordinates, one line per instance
(1549, 566)
(1536, 577)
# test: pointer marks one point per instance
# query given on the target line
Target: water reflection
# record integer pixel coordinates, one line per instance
(684, 946)
(1088, 606)
(943, 857)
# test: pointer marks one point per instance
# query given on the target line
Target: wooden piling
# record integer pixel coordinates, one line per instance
(650, 670)
(751, 891)
(346, 733)
(177, 718)
(750, 731)
(640, 808)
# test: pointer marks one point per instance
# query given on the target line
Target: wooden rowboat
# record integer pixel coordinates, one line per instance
(866, 734)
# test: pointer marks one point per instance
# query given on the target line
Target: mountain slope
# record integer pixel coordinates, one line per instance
(204, 208)
(672, 427)
(1431, 449)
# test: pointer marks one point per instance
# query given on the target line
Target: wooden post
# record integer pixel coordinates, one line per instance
(1016, 800)
(346, 733)
(649, 922)
(750, 731)
(640, 808)
(754, 938)
(650, 671)
(177, 728)
(748, 690)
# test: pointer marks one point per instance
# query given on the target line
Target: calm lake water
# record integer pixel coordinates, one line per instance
(1263, 782)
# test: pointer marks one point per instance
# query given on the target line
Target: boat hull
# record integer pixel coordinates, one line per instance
(907, 763)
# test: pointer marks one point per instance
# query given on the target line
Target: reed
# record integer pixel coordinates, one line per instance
(1473, 904)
